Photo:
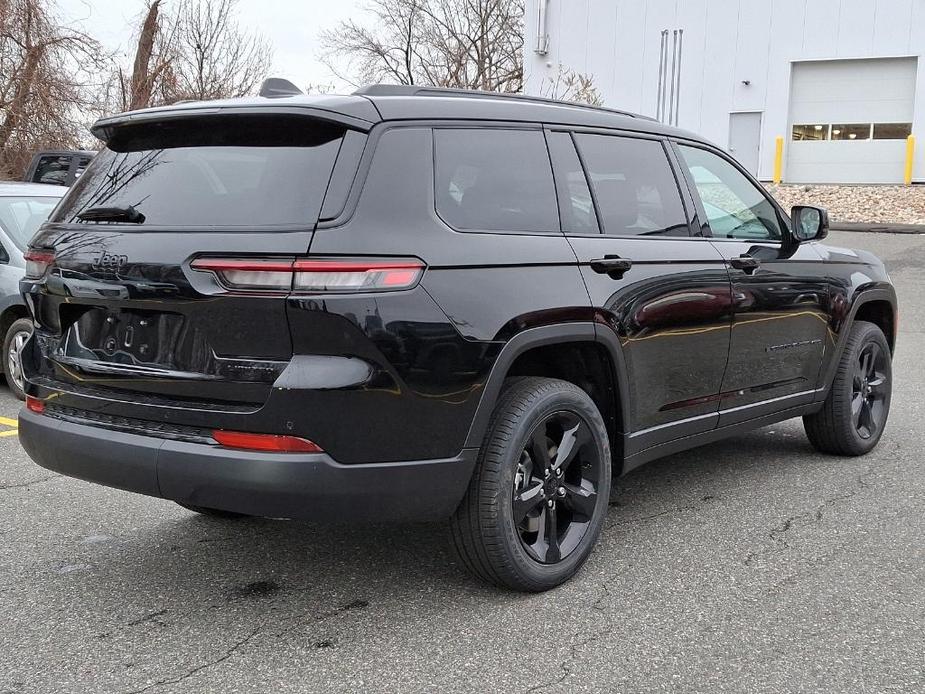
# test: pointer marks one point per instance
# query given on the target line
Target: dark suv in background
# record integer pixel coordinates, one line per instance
(410, 303)
(59, 168)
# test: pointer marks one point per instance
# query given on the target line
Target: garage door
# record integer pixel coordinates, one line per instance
(849, 120)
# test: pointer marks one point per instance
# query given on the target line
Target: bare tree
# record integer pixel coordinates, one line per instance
(464, 44)
(215, 58)
(568, 85)
(193, 50)
(46, 74)
(143, 76)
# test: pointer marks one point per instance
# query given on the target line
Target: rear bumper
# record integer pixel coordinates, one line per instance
(279, 485)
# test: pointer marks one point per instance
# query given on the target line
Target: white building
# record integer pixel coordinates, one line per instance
(839, 80)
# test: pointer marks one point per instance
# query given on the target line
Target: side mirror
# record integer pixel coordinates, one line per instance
(809, 223)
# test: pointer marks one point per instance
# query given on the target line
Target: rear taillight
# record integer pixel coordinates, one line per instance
(343, 275)
(356, 276)
(265, 442)
(35, 405)
(265, 275)
(37, 263)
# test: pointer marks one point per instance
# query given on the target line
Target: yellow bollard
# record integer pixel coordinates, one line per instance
(778, 159)
(910, 158)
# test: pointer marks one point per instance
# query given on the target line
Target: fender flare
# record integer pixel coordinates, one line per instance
(862, 297)
(541, 337)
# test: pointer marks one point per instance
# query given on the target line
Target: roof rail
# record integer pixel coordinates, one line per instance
(417, 90)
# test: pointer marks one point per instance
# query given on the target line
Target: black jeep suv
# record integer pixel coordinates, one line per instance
(410, 303)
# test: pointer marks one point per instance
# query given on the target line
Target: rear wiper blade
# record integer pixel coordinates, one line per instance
(112, 214)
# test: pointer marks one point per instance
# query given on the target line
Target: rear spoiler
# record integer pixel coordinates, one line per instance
(105, 127)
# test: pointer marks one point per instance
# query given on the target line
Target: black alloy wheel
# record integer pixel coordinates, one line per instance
(854, 415)
(870, 386)
(556, 486)
(539, 494)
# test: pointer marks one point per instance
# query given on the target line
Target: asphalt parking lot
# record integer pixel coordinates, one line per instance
(751, 565)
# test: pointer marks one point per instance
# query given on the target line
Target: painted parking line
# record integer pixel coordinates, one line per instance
(7, 422)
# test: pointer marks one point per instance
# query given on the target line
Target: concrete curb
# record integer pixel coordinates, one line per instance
(878, 228)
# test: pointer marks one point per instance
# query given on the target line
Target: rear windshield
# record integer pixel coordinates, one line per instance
(253, 171)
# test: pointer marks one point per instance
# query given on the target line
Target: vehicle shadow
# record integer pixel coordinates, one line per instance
(201, 560)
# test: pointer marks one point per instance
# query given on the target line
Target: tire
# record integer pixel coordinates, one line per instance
(213, 512)
(13, 341)
(523, 443)
(854, 414)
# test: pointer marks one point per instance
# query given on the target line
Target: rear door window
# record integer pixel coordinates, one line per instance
(219, 172)
(494, 180)
(635, 188)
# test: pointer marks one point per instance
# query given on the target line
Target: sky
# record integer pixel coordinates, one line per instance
(292, 27)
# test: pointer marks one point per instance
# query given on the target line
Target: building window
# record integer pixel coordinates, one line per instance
(856, 131)
(853, 131)
(892, 131)
(815, 131)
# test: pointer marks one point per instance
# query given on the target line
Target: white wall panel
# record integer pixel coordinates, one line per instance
(751, 57)
(727, 41)
(692, 16)
(632, 47)
(820, 29)
(855, 29)
(893, 26)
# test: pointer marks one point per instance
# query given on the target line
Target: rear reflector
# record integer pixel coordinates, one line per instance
(265, 442)
(35, 405)
(37, 263)
(340, 275)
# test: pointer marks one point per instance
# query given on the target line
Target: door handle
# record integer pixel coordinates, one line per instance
(746, 263)
(612, 265)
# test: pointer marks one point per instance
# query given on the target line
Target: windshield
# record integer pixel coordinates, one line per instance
(221, 171)
(20, 217)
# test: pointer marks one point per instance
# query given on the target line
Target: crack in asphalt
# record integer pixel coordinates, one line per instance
(667, 512)
(777, 533)
(23, 485)
(234, 648)
(564, 665)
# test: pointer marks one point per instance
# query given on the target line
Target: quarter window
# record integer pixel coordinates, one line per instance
(636, 191)
(735, 207)
(495, 180)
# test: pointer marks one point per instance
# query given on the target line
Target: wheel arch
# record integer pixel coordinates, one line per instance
(875, 305)
(881, 313)
(575, 352)
(9, 314)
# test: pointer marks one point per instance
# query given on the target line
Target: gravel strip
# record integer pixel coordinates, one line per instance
(864, 204)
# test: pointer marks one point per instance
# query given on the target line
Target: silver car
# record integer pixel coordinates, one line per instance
(23, 207)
